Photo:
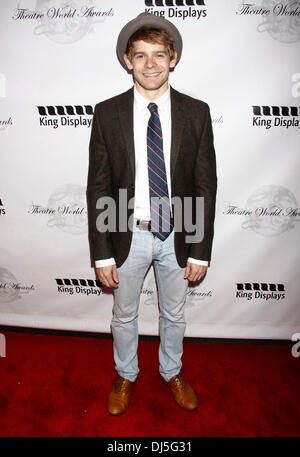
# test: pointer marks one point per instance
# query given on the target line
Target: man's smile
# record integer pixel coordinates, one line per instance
(151, 75)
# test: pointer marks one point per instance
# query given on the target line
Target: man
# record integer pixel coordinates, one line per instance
(152, 144)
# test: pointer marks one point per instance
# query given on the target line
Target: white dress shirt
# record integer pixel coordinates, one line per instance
(141, 115)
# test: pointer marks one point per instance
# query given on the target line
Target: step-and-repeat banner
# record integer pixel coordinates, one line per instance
(58, 60)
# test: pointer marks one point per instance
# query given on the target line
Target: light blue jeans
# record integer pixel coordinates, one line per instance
(172, 290)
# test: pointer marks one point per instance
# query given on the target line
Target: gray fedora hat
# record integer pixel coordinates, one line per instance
(147, 20)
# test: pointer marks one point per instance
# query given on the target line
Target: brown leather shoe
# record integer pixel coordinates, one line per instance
(183, 393)
(118, 400)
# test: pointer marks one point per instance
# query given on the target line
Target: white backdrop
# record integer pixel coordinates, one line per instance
(57, 61)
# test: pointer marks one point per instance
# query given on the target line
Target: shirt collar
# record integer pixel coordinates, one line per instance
(163, 102)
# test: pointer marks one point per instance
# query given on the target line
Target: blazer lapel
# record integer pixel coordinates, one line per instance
(126, 121)
(178, 120)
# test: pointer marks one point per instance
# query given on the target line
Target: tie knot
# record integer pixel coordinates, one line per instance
(152, 107)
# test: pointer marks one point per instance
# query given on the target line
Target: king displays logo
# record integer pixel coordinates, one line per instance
(181, 9)
(2, 209)
(263, 291)
(62, 116)
(276, 116)
(174, 2)
(79, 286)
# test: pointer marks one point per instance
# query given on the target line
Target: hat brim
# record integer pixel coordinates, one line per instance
(147, 20)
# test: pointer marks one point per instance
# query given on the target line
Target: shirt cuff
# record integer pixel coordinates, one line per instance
(105, 262)
(198, 262)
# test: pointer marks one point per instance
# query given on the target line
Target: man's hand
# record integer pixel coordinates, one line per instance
(108, 276)
(194, 272)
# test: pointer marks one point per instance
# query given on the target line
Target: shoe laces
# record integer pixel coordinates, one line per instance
(179, 381)
(120, 384)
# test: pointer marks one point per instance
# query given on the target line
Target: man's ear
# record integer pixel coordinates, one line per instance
(128, 62)
(174, 60)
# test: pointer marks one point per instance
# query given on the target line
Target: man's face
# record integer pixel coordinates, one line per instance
(151, 65)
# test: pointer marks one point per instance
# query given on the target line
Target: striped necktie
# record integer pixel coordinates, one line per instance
(161, 223)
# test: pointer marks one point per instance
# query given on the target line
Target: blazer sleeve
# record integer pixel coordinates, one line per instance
(205, 185)
(99, 185)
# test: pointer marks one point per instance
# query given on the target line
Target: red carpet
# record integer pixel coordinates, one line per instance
(58, 386)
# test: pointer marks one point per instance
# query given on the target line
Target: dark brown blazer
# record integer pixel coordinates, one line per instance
(112, 167)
